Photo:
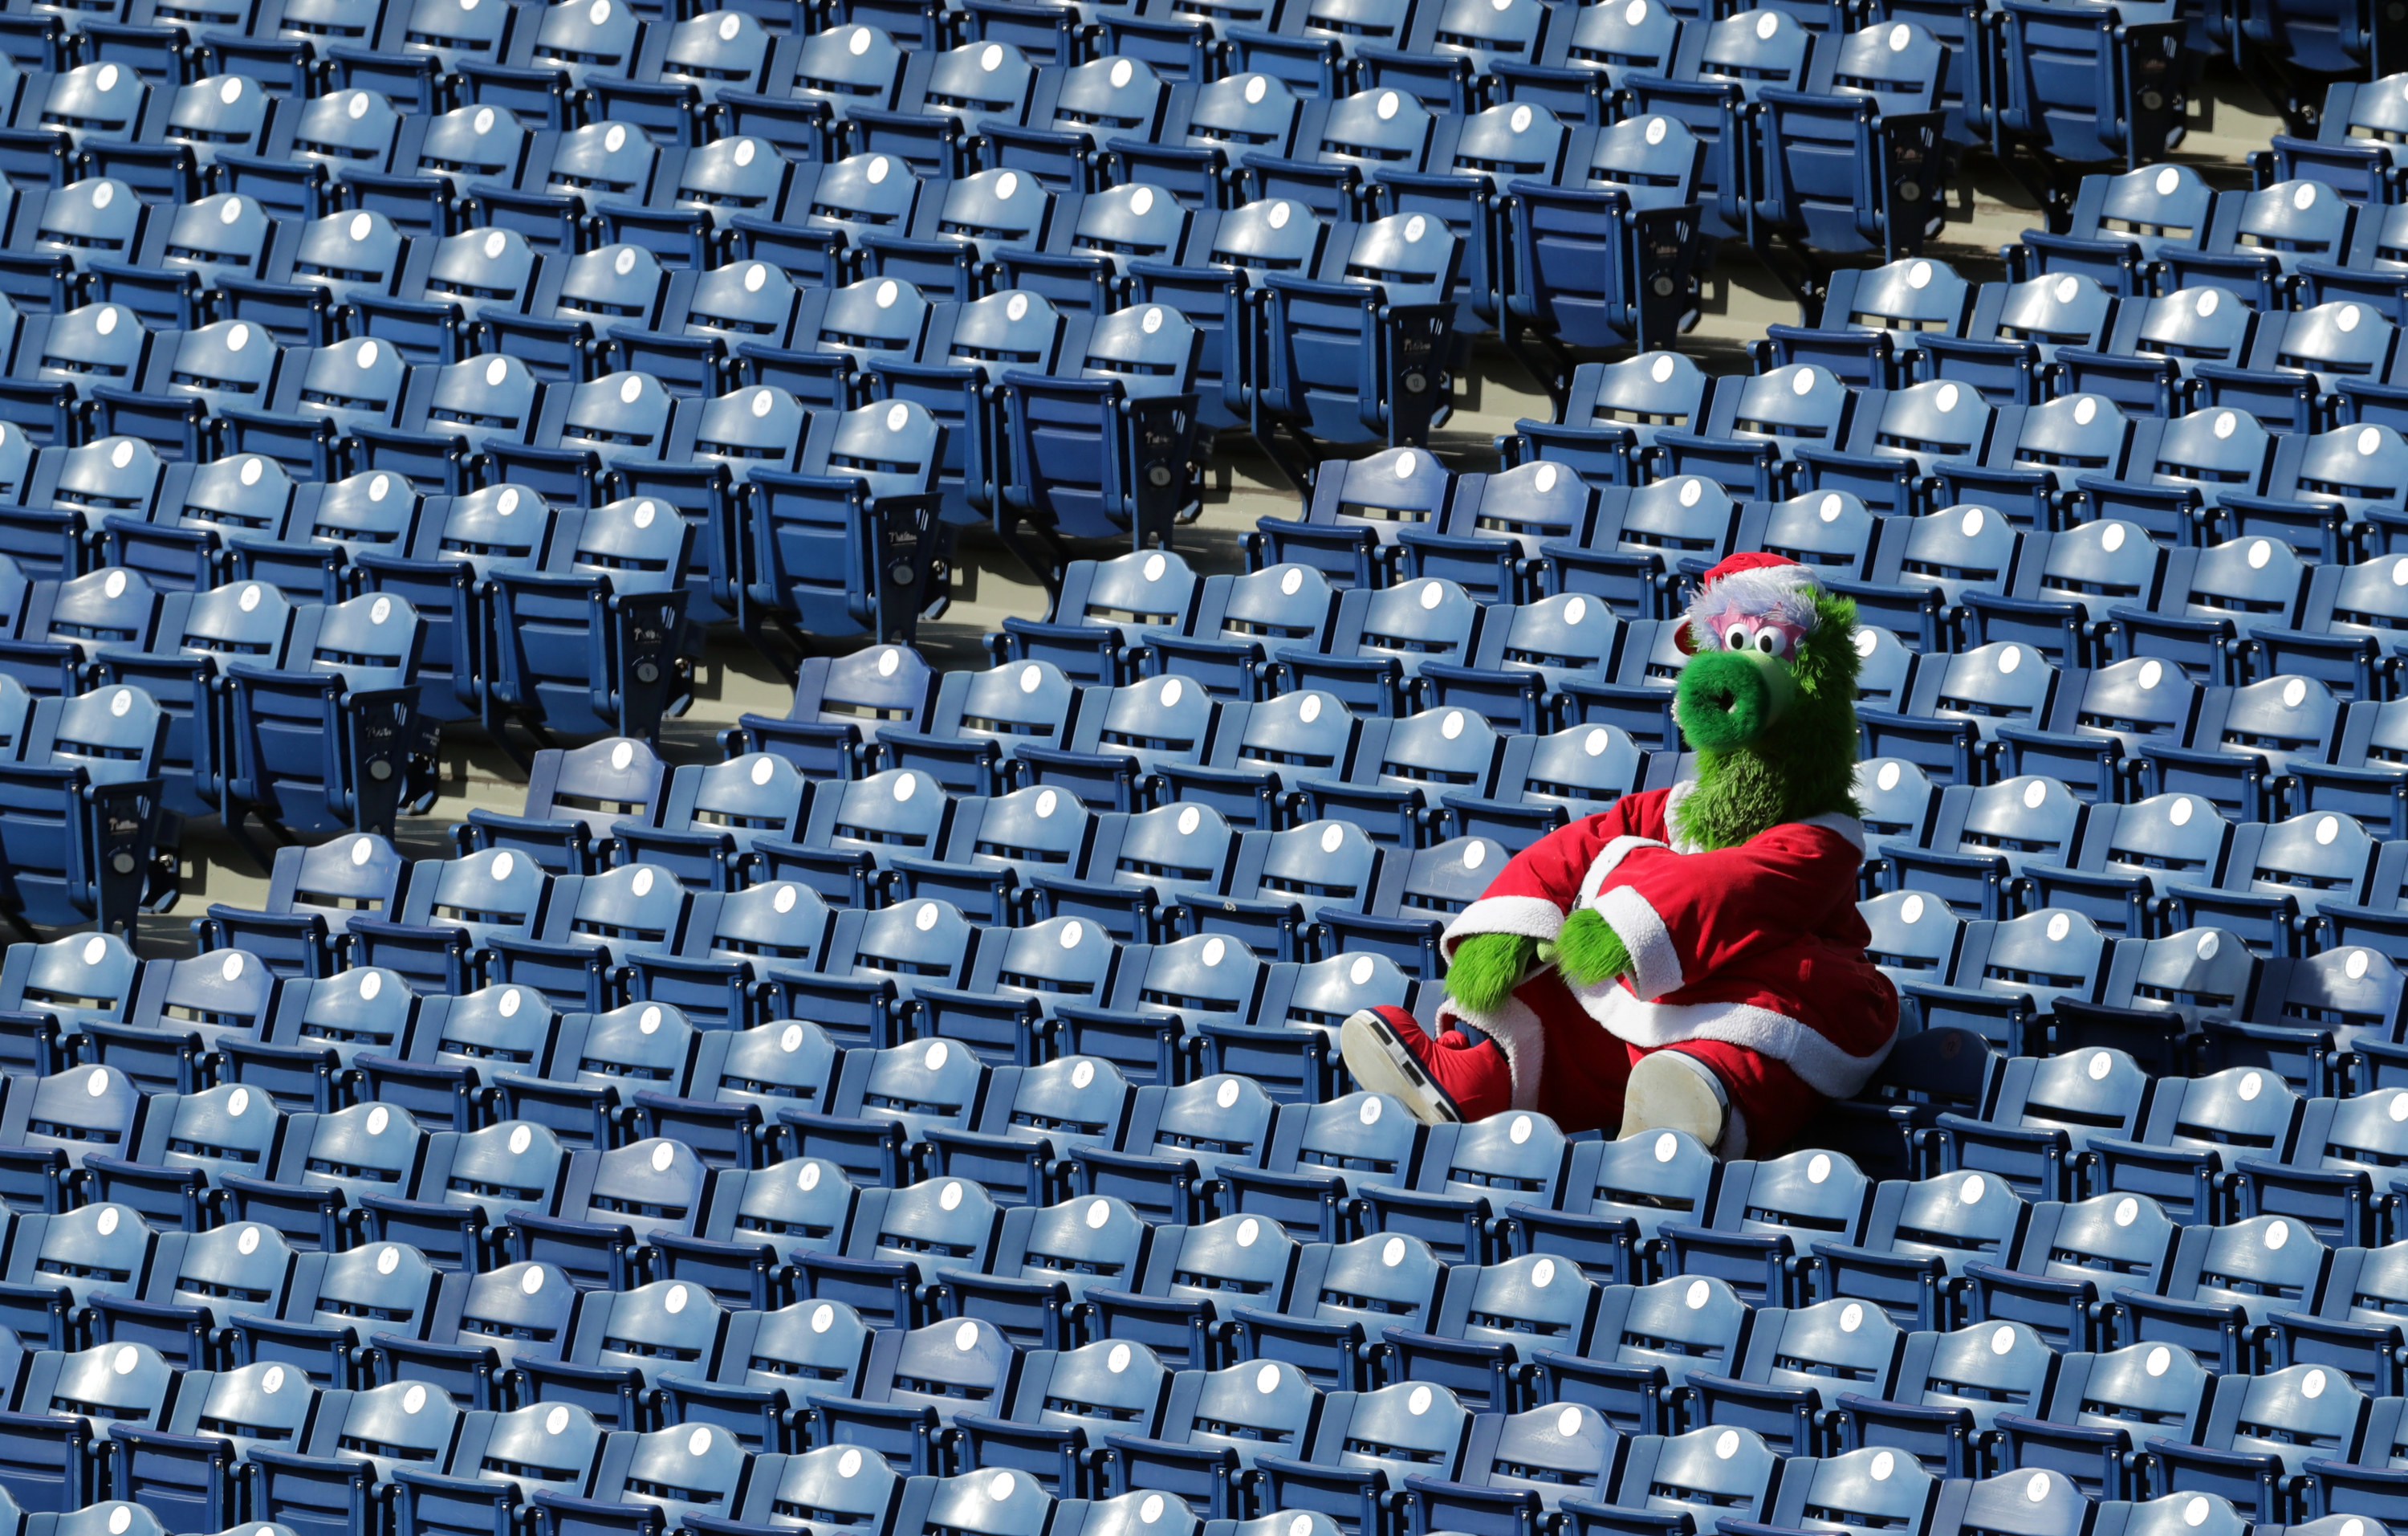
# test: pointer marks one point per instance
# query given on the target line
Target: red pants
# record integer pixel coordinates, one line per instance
(1586, 1067)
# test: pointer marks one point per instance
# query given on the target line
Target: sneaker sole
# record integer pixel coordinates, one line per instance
(1665, 1095)
(1378, 1062)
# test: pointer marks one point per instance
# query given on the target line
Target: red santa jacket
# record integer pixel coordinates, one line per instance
(1760, 945)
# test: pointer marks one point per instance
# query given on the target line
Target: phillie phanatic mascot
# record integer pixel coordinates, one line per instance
(1690, 959)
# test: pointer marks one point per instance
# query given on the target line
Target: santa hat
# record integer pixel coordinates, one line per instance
(1750, 584)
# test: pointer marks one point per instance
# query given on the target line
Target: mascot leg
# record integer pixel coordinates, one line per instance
(1448, 1078)
(1734, 1099)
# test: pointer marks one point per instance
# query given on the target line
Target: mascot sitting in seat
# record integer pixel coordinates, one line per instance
(1691, 960)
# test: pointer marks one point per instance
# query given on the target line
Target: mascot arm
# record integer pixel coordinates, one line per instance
(1687, 915)
(1491, 946)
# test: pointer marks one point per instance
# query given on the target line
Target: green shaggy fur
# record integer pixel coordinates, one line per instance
(1804, 766)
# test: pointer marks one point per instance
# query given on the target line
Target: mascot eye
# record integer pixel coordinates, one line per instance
(1773, 642)
(1735, 638)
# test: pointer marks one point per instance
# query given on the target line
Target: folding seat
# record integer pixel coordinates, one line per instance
(55, 988)
(593, 639)
(1546, 782)
(1356, 512)
(839, 547)
(2255, 241)
(1350, 351)
(1490, 540)
(2277, 878)
(2121, 228)
(2101, 1407)
(1622, 555)
(1749, 430)
(96, 218)
(67, 495)
(1577, 70)
(169, 1041)
(448, 911)
(1076, 112)
(1979, 840)
(1160, 996)
(1612, 413)
(332, 136)
(766, 1067)
(2200, 622)
(871, 964)
(462, 1192)
(180, 546)
(1876, 322)
(1616, 1198)
(2344, 639)
(1836, 177)
(1338, 141)
(904, 1411)
(656, 1180)
(2009, 346)
(2193, 1131)
(82, 828)
(709, 820)
(69, 1115)
(716, 974)
(1487, 1324)
(1284, 886)
(576, 798)
(833, 1481)
(186, 1316)
(2333, 1180)
(1714, 81)
(899, 1243)
(308, 753)
(2041, 1116)
(1955, 704)
(2058, 603)
(96, 1249)
(770, 1365)
(1213, 1428)
(1673, 1482)
(607, 1364)
(440, 1077)
(227, 234)
(2130, 858)
(380, 1430)
(839, 705)
(1323, 1153)
(2291, 374)
(497, 1321)
(2352, 148)
(2031, 480)
(498, 1462)
(50, 1448)
(2314, 1021)
(1759, 1217)
(2146, 361)
(1179, 1143)
(578, 953)
(426, 318)
(1401, 766)
(2260, 1430)
(883, 1102)
(1140, 869)
(326, 1164)
(1372, 660)
(1601, 256)
(319, 1329)
(1154, 722)
(169, 1175)
(2122, 706)
(341, 258)
(581, 1090)
(64, 625)
(1367, 1445)
(1776, 1388)
(1918, 581)
(2350, 1331)
(1917, 1242)
(1868, 1483)
(646, 1479)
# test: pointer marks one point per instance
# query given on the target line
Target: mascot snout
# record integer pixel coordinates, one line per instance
(1727, 698)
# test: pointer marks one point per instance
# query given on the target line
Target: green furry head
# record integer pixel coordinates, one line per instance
(1775, 740)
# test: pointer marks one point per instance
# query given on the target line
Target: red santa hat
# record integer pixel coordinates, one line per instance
(1753, 584)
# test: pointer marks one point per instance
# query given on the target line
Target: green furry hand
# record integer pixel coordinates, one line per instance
(1588, 951)
(1485, 968)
